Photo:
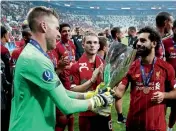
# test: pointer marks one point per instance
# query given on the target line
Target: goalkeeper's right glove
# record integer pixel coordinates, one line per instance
(98, 90)
(101, 100)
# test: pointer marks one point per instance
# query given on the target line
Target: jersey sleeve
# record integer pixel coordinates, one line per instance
(75, 74)
(126, 79)
(41, 73)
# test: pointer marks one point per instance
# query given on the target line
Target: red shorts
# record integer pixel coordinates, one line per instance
(95, 123)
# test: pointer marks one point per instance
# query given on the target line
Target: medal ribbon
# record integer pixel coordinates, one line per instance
(146, 79)
(37, 45)
(70, 53)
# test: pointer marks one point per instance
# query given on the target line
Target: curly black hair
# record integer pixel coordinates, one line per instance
(63, 25)
(153, 37)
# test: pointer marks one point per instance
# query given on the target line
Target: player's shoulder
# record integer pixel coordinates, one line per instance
(32, 54)
(167, 40)
(4, 50)
(164, 64)
(100, 59)
(135, 63)
(74, 67)
(71, 43)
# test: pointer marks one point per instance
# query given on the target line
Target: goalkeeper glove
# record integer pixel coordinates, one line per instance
(100, 100)
(103, 111)
(90, 94)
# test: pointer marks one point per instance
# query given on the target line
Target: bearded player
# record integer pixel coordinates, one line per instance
(148, 75)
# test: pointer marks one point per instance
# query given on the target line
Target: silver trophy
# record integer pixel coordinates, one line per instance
(117, 63)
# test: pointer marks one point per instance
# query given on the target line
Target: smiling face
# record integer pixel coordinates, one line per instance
(144, 45)
(65, 33)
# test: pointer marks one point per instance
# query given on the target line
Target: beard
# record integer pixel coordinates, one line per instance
(143, 51)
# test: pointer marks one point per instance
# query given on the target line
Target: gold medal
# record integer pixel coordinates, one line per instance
(146, 90)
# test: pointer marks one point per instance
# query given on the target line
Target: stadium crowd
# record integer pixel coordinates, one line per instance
(54, 60)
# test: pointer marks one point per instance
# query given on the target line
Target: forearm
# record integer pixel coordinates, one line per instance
(83, 87)
(75, 95)
(170, 95)
(66, 104)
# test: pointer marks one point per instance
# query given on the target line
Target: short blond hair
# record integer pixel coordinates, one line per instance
(37, 12)
(89, 33)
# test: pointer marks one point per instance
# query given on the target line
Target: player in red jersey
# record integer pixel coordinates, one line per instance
(170, 49)
(82, 72)
(5, 57)
(65, 50)
(26, 34)
(148, 76)
(164, 23)
(117, 36)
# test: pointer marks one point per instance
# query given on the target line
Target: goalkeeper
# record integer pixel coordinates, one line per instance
(37, 89)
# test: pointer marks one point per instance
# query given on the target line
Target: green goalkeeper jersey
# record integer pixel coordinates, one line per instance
(37, 89)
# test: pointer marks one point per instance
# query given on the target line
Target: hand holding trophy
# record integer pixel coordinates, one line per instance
(117, 63)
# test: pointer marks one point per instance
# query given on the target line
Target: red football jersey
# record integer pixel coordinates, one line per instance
(66, 50)
(5, 56)
(161, 52)
(54, 57)
(82, 72)
(15, 54)
(142, 112)
(170, 51)
(20, 43)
